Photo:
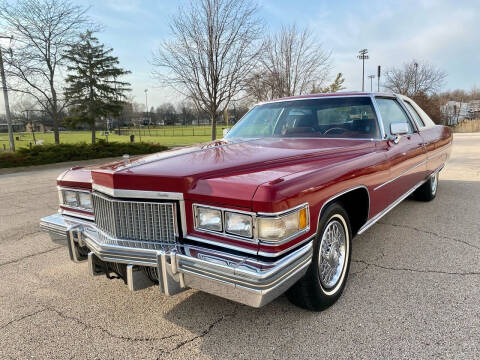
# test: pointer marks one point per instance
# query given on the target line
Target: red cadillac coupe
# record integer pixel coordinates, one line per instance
(271, 208)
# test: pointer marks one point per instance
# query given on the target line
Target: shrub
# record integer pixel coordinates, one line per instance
(48, 154)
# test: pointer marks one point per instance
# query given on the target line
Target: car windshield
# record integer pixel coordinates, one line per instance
(329, 117)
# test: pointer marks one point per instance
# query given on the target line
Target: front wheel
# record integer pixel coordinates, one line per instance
(325, 279)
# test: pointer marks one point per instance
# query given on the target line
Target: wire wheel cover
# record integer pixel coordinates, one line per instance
(332, 254)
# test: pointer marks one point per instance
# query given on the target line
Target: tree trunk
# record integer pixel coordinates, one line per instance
(93, 132)
(56, 134)
(54, 110)
(214, 126)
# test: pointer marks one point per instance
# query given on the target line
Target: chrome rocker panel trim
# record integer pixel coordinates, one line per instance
(243, 279)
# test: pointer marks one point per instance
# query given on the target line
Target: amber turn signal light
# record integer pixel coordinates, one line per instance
(303, 218)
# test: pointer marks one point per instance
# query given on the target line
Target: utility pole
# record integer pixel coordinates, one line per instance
(5, 96)
(362, 55)
(371, 77)
(379, 69)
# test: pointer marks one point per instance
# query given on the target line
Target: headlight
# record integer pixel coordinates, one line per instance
(85, 200)
(238, 224)
(70, 198)
(209, 219)
(273, 228)
(76, 199)
(282, 227)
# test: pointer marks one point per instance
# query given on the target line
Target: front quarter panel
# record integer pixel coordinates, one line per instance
(316, 186)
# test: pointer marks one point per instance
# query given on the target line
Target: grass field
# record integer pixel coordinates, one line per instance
(73, 137)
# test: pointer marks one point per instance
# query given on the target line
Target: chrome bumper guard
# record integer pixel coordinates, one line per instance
(239, 278)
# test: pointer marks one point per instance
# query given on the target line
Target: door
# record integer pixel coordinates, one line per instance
(406, 159)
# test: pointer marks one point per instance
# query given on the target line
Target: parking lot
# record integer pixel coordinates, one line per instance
(413, 290)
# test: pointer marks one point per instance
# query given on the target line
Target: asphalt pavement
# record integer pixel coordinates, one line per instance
(413, 290)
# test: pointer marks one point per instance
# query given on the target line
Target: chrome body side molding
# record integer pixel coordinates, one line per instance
(385, 211)
(402, 174)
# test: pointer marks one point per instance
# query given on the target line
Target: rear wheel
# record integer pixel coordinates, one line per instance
(325, 279)
(428, 191)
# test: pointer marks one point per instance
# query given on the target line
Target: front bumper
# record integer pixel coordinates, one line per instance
(239, 278)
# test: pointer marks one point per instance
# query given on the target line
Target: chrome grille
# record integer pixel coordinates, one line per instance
(134, 223)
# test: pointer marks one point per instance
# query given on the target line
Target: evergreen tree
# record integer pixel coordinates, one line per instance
(92, 86)
(335, 86)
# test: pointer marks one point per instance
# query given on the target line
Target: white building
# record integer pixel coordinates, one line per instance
(455, 111)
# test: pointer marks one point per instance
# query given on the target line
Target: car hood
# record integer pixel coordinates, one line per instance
(230, 171)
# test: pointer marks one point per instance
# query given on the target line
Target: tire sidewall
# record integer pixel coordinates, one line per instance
(430, 183)
(332, 212)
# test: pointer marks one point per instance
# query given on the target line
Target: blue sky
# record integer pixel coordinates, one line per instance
(444, 33)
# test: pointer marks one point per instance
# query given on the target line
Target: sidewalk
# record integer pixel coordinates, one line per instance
(61, 165)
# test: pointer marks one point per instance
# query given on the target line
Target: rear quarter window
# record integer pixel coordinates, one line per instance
(425, 118)
(414, 114)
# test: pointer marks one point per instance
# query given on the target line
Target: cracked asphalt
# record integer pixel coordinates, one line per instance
(413, 290)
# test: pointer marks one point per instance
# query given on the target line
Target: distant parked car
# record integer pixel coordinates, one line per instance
(272, 208)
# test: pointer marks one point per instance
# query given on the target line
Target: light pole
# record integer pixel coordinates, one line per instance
(379, 69)
(371, 77)
(5, 96)
(146, 105)
(362, 55)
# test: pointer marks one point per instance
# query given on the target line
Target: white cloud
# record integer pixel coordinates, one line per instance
(441, 33)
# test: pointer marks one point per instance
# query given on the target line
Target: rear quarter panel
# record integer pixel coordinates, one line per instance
(438, 140)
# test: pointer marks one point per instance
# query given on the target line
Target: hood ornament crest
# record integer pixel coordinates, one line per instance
(126, 159)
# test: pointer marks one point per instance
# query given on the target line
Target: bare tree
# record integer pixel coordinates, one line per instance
(262, 86)
(415, 78)
(293, 63)
(43, 30)
(213, 48)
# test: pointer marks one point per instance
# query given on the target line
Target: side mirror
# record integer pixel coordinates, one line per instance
(397, 129)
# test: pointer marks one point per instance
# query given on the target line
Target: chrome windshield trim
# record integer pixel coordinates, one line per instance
(316, 98)
(379, 116)
(311, 137)
(137, 194)
(368, 95)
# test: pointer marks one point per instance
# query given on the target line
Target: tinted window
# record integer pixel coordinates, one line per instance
(415, 115)
(392, 112)
(348, 117)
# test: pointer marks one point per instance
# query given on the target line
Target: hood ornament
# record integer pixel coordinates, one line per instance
(126, 159)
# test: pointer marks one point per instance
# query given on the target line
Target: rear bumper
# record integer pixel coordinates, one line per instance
(239, 278)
